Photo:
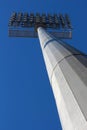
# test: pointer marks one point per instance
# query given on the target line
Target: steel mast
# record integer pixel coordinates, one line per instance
(67, 71)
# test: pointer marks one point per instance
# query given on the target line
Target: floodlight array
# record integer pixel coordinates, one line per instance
(57, 24)
(35, 20)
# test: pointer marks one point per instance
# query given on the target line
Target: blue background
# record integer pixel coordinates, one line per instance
(26, 98)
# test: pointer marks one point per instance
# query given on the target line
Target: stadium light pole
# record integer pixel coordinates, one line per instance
(66, 67)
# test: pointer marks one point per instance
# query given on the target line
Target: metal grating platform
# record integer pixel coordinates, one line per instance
(32, 34)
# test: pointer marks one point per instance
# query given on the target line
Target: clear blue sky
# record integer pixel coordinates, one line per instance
(26, 98)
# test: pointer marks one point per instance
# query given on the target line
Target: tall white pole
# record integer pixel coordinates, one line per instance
(67, 71)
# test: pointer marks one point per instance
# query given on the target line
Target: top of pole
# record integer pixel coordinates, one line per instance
(25, 25)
